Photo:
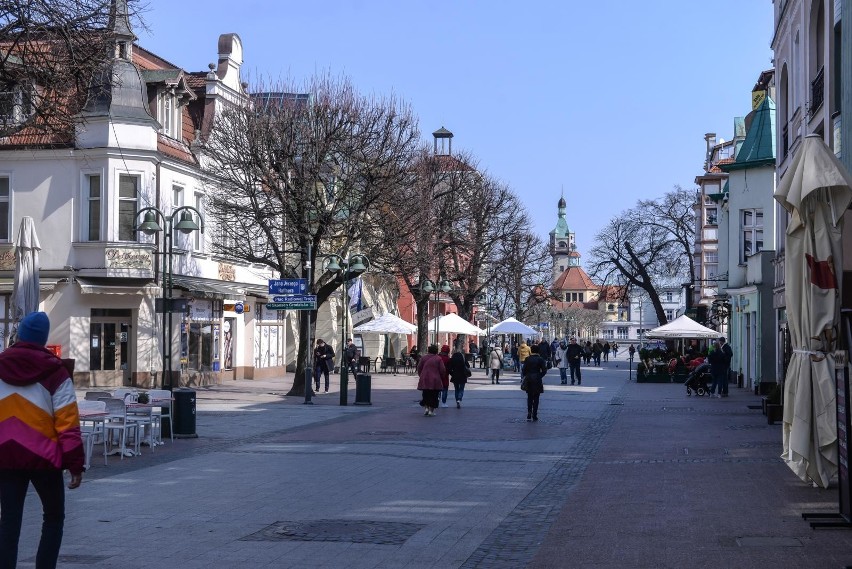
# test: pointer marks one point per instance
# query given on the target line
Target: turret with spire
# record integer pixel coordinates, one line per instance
(562, 247)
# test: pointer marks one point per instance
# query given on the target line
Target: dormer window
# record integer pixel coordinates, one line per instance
(16, 103)
(169, 111)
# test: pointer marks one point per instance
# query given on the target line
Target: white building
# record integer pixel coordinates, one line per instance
(100, 278)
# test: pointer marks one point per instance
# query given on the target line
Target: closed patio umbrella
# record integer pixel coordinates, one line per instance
(816, 191)
(25, 291)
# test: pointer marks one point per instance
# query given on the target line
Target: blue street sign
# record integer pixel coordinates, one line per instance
(288, 286)
(295, 298)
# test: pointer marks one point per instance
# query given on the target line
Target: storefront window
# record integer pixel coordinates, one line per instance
(200, 335)
(269, 338)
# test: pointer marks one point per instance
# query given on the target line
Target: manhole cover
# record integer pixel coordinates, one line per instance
(349, 531)
(384, 433)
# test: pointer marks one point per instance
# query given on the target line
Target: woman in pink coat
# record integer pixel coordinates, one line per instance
(432, 374)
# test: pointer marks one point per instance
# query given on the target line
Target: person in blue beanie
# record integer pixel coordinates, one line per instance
(40, 430)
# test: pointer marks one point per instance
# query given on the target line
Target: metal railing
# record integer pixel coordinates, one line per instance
(817, 91)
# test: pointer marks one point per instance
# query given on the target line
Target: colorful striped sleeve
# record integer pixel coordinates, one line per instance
(67, 423)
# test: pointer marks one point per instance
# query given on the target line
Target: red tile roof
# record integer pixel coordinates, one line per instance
(574, 278)
(175, 149)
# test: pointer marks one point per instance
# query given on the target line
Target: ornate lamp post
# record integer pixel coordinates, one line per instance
(429, 287)
(346, 269)
(150, 226)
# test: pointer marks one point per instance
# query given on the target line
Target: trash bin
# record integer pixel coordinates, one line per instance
(184, 410)
(362, 389)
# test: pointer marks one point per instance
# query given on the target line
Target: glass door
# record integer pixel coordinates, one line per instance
(109, 352)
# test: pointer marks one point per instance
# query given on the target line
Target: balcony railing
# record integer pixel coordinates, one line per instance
(785, 141)
(817, 91)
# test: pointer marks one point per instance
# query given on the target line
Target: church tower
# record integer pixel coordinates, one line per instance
(563, 250)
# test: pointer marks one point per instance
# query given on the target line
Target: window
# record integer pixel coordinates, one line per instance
(609, 334)
(751, 225)
(621, 332)
(170, 115)
(92, 204)
(128, 198)
(196, 235)
(610, 308)
(16, 104)
(5, 202)
(711, 257)
(711, 214)
(669, 314)
(177, 197)
(668, 296)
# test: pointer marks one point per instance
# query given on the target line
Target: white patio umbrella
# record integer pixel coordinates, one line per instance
(682, 327)
(387, 324)
(25, 291)
(512, 326)
(454, 324)
(816, 191)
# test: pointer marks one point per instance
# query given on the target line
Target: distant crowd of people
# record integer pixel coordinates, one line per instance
(437, 369)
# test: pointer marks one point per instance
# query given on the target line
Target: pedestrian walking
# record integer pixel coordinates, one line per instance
(516, 358)
(532, 381)
(574, 355)
(597, 349)
(524, 352)
(495, 363)
(323, 363)
(350, 353)
(606, 349)
(40, 434)
(614, 350)
(587, 352)
(445, 357)
(554, 345)
(431, 373)
(459, 371)
(562, 362)
(544, 352)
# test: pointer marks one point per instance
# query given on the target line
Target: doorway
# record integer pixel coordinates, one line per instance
(109, 348)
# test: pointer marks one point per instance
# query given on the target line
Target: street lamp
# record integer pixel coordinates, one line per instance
(429, 287)
(150, 226)
(346, 269)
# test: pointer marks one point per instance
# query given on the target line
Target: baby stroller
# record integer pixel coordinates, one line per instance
(697, 380)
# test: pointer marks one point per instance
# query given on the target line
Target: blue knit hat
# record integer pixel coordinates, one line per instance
(34, 328)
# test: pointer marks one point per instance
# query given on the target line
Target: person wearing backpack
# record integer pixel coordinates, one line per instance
(459, 371)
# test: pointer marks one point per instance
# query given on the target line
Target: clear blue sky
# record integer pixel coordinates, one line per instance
(609, 99)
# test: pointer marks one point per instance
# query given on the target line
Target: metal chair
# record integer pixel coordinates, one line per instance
(158, 413)
(364, 363)
(389, 364)
(118, 423)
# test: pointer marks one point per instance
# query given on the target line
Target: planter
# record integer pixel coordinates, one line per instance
(774, 412)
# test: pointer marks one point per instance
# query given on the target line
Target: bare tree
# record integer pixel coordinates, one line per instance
(521, 265)
(49, 52)
(648, 247)
(294, 178)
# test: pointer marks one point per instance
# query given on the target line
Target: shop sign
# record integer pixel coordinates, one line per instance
(201, 310)
(126, 258)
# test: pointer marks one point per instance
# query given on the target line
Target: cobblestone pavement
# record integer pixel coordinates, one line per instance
(614, 475)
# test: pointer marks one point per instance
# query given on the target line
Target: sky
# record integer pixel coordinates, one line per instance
(606, 101)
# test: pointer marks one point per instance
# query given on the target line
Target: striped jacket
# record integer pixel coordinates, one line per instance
(39, 421)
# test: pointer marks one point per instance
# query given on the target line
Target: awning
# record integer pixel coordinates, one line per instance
(116, 285)
(210, 288)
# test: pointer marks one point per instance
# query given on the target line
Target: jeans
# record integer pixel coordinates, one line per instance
(459, 391)
(13, 491)
(563, 374)
(495, 375)
(720, 382)
(444, 394)
(574, 366)
(320, 369)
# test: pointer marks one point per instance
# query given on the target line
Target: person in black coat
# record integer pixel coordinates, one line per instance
(535, 368)
(459, 372)
(323, 363)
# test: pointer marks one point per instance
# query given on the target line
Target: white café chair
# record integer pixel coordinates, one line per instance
(118, 423)
(164, 396)
(143, 417)
(92, 431)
